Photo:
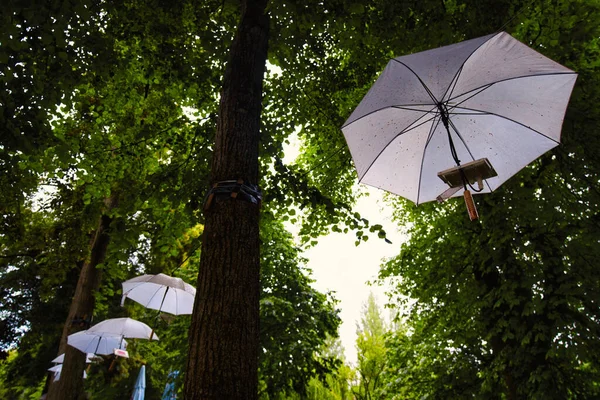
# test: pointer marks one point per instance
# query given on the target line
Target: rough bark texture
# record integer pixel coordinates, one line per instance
(224, 334)
(70, 385)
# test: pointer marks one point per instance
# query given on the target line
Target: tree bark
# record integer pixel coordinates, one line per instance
(224, 333)
(70, 384)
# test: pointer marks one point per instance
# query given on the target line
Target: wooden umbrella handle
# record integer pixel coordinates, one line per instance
(473, 215)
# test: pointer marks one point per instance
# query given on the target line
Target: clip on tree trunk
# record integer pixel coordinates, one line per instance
(235, 190)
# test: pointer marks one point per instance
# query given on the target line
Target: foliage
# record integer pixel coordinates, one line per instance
(295, 318)
(371, 351)
(335, 385)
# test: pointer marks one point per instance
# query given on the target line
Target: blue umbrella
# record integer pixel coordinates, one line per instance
(170, 392)
(140, 385)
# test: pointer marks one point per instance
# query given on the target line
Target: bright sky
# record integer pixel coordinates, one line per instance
(340, 266)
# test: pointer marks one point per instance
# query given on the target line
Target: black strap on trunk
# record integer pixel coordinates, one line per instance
(233, 189)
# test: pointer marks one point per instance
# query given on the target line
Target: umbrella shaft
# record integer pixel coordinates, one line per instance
(445, 116)
(162, 302)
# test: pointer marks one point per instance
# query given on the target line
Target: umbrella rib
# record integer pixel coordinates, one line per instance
(155, 293)
(430, 135)
(412, 126)
(474, 93)
(379, 109)
(480, 89)
(481, 112)
(403, 131)
(459, 71)
(468, 113)
(488, 85)
(454, 82)
(429, 92)
(408, 107)
(134, 287)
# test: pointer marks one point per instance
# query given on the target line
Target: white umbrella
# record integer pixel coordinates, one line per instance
(491, 100)
(57, 370)
(123, 327)
(161, 292)
(61, 358)
(97, 343)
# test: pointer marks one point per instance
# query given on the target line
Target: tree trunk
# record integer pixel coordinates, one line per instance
(224, 333)
(70, 384)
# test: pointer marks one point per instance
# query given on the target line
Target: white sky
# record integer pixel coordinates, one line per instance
(340, 266)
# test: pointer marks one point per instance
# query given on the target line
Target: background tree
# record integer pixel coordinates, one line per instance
(371, 351)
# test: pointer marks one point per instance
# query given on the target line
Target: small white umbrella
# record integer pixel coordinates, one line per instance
(57, 370)
(161, 292)
(97, 343)
(61, 358)
(123, 327)
(490, 102)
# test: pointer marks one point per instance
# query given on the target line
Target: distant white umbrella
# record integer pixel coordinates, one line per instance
(97, 343)
(61, 358)
(161, 292)
(123, 327)
(57, 370)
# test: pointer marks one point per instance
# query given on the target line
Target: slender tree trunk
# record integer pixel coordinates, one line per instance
(223, 341)
(70, 384)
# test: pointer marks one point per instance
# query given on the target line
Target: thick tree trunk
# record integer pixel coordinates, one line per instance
(223, 341)
(70, 384)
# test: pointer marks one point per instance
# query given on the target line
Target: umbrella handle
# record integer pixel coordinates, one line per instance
(473, 215)
(112, 365)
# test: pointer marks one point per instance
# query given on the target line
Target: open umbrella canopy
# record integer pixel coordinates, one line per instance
(61, 358)
(161, 292)
(97, 343)
(123, 327)
(57, 370)
(491, 100)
